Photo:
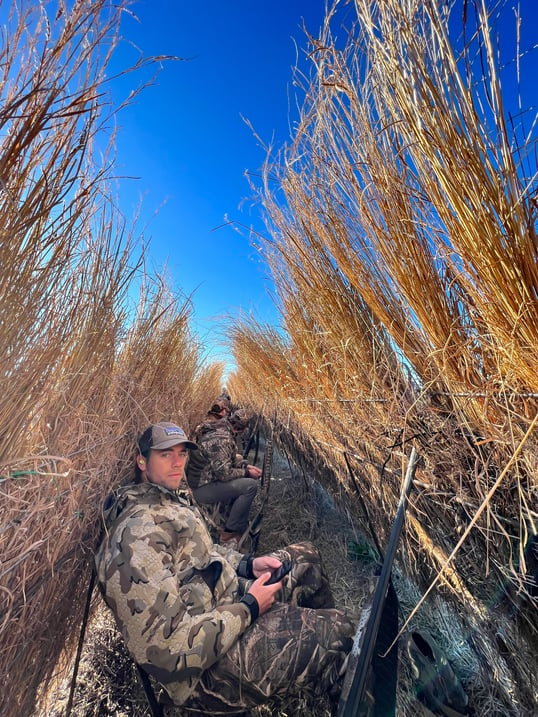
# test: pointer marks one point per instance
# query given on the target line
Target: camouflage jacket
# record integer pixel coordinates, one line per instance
(217, 459)
(175, 595)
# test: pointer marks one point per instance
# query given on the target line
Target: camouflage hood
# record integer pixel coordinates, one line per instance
(221, 426)
(216, 458)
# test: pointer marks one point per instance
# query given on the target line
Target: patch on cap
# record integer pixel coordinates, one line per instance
(174, 431)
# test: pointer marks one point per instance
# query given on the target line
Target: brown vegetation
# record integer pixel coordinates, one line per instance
(82, 369)
(402, 224)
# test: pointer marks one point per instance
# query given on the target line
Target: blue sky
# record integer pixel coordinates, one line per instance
(186, 140)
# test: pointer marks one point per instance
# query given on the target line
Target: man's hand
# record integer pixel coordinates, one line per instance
(264, 594)
(254, 472)
(264, 564)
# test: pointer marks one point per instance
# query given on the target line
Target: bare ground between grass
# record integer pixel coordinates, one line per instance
(297, 509)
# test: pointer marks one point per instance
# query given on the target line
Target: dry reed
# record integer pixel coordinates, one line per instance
(81, 372)
(402, 242)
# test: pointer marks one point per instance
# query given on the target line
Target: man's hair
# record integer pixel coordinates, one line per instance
(144, 442)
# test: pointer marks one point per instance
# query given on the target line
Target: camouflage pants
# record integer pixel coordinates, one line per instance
(299, 646)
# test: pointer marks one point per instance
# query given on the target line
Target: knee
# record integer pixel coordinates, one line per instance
(253, 488)
(305, 553)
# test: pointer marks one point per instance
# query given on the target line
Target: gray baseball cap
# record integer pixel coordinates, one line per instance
(163, 435)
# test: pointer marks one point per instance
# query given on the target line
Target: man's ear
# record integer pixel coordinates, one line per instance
(141, 461)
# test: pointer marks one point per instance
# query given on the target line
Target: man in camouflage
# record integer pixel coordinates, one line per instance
(222, 475)
(219, 409)
(201, 618)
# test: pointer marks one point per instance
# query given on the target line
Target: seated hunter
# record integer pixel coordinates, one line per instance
(218, 410)
(221, 632)
(225, 398)
(216, 473)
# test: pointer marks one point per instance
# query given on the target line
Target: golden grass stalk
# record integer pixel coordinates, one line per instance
(402, 245)
(79, 376)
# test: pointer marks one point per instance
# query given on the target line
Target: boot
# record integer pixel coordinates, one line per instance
(226, 536)
(437, 685)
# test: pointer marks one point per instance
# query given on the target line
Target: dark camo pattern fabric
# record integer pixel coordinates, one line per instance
(298, 647)
(175, 598)
(217, 459)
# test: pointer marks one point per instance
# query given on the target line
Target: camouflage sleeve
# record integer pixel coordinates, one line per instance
(229, 554)
(165, 605)
(239, 461)
(222, 452)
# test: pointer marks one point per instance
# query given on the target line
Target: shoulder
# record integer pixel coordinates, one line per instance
(222, 428)
(215, 431)
(146, 508)
(152, 530)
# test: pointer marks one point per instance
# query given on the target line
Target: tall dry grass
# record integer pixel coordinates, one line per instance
(402, 222)
(82, 370)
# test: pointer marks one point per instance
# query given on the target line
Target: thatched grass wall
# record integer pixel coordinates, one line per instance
(84, 363)
(402, 222)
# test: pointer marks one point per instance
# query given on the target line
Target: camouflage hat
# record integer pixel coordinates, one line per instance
(239, 419)
(163, 435)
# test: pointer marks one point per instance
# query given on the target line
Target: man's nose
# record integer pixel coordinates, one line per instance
(178, 458)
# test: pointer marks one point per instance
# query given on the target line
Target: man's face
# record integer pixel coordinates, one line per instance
(166, 467)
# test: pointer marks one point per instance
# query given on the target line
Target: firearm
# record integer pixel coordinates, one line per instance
(267, 466)
(253, 439)
(364, 643)
(253, 529)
